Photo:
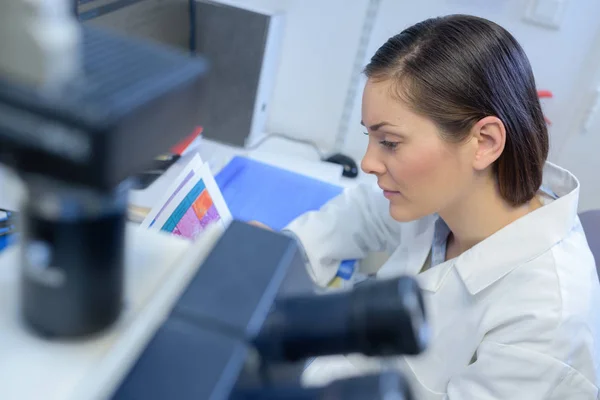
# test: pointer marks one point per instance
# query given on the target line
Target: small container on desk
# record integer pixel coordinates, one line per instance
(7, 228)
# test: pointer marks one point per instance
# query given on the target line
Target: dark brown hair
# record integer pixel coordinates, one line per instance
(459, 69)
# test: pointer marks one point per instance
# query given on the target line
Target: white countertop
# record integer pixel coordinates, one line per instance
(277, 152)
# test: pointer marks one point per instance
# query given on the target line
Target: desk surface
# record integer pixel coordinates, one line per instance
(289, 156)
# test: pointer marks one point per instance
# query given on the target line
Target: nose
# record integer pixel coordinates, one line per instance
(371, 163)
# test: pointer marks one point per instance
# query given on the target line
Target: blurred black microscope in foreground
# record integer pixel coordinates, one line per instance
(248, 322)
(241, 329)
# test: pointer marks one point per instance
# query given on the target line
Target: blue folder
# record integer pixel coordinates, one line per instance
(271, 195)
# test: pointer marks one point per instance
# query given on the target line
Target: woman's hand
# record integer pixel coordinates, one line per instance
(260, 225)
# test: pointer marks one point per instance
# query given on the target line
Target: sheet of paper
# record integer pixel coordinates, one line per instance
(191, 204)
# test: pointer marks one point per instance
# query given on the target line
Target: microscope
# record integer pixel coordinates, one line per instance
(82, 111)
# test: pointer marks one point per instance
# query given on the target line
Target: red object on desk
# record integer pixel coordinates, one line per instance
(181, 146)
(545, 94)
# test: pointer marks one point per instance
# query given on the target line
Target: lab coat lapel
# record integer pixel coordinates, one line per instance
(418, 252)
(432, 279)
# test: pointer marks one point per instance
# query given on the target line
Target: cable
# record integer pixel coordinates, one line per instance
(289, 138)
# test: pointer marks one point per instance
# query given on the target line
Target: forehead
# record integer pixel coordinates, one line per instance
(381, 103)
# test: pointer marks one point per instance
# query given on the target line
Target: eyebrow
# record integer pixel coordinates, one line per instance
(378, 125)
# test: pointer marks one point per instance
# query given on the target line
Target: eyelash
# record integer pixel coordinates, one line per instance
(386, 144)
(389, 145)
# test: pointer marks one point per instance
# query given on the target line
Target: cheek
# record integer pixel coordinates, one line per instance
(427, 180)
(417, 168)
(429, 177)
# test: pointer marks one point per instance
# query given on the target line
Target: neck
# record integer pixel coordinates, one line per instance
(480, 214)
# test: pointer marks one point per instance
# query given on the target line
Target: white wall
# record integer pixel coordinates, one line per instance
(581, 155)
(557, 56)
(563, 61)
(319, 48)
(321, 42)
(581, 152)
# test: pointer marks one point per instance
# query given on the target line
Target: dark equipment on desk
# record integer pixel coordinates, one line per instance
(248, 320)
(76, 151)
(349, 167)
(160, 165)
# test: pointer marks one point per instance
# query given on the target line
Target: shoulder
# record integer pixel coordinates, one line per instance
(575, 267)
(551, 305)
(564, 277)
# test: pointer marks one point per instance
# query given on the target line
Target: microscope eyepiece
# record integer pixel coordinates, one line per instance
(376, 319)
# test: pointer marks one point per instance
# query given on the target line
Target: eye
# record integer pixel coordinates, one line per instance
(389, 145)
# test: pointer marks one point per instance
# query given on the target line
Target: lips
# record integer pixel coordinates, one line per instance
(389, 193)
(386, 189)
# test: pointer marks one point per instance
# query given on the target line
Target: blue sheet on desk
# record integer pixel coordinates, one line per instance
(271, 195)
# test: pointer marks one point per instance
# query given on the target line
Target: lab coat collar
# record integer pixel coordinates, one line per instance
(524, 239)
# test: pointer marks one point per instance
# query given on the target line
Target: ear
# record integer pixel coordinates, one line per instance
(490, 135)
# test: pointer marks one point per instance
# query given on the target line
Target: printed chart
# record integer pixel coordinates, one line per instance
(193, 203)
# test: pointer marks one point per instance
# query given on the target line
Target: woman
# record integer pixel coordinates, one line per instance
(467, 202)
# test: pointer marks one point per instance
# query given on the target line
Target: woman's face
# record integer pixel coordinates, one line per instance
(418, 172)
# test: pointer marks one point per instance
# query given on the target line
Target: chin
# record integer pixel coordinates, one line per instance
(404, 213)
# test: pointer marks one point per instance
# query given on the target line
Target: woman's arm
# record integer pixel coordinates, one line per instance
(348, 227)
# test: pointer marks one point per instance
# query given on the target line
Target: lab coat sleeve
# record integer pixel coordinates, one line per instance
(348, 227)
(514, 372)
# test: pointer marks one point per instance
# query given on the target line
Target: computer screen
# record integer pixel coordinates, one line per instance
(170, 22)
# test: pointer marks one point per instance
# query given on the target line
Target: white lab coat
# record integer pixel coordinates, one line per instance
(515, 317)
